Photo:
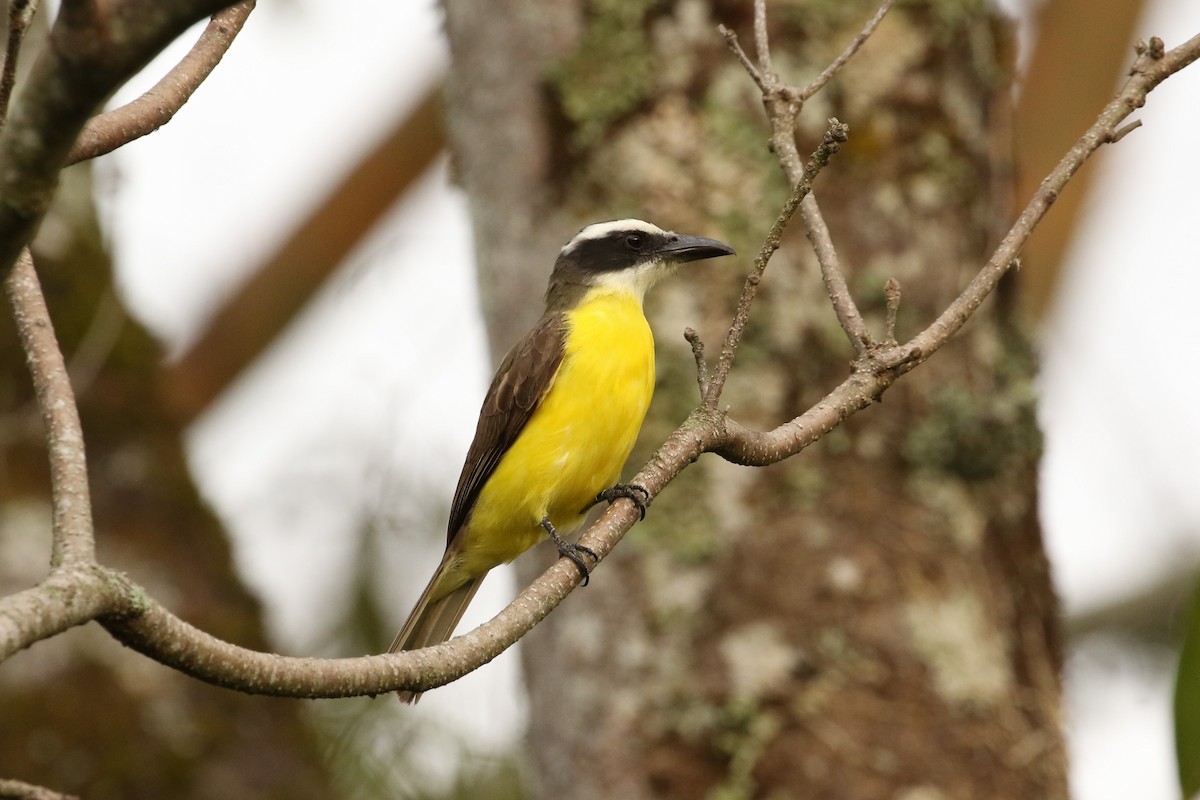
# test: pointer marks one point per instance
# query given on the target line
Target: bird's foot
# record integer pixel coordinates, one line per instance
(639, 494)
(575, 552)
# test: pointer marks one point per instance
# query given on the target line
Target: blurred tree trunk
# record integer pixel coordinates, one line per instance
(871, 619)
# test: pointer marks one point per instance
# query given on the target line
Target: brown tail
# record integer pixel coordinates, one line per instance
(432, 621)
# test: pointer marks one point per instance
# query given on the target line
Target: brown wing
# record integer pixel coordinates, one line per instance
(516, 391)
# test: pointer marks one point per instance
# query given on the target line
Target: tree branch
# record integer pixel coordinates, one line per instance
(73, 540)
(93, 48)
(693, 338)
(70, 596)
(891, 294)
(1151, 67)
(858, 41)
(19, 790)
(159, 635)
(158, 106)
(834, 278)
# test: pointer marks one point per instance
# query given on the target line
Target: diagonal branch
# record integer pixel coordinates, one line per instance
(834, 278)
(858, 41)
(158, 105)
(1152, 66)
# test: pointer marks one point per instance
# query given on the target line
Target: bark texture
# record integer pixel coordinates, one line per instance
(871, 619)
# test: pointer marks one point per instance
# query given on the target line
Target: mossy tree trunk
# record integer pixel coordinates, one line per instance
(873, 618)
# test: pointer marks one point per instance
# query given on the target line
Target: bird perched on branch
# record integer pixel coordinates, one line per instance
(559, 419)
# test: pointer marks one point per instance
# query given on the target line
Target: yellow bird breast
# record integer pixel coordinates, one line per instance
(578, 439)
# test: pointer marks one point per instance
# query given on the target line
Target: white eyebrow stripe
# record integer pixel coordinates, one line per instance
(598, 230)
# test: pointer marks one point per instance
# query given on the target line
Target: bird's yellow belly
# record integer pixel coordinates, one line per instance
(578, 439)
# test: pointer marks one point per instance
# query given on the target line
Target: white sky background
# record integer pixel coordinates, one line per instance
(320, 428)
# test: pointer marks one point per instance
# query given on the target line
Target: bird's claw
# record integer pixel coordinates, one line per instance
(575, 552)
(635, 492)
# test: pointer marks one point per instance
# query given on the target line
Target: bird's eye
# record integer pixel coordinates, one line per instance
(634, 241)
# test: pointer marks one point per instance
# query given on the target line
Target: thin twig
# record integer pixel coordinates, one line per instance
(819, 82)
(891, 293)
(830, 144)
(760, 37)
(849, 317)
(697, 344)
(731, 41)
(1123, 131)
(73, 541)
(158, 105)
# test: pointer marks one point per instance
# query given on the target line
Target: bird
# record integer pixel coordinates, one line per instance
(559, 419)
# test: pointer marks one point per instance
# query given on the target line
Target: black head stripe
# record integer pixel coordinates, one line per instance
(615, 250)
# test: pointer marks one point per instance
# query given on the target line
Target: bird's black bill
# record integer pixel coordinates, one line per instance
(693, 248)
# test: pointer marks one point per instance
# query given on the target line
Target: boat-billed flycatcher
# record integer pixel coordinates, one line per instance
(560, 417)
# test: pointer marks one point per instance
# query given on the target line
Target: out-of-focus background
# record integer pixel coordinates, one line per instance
(331, 458)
